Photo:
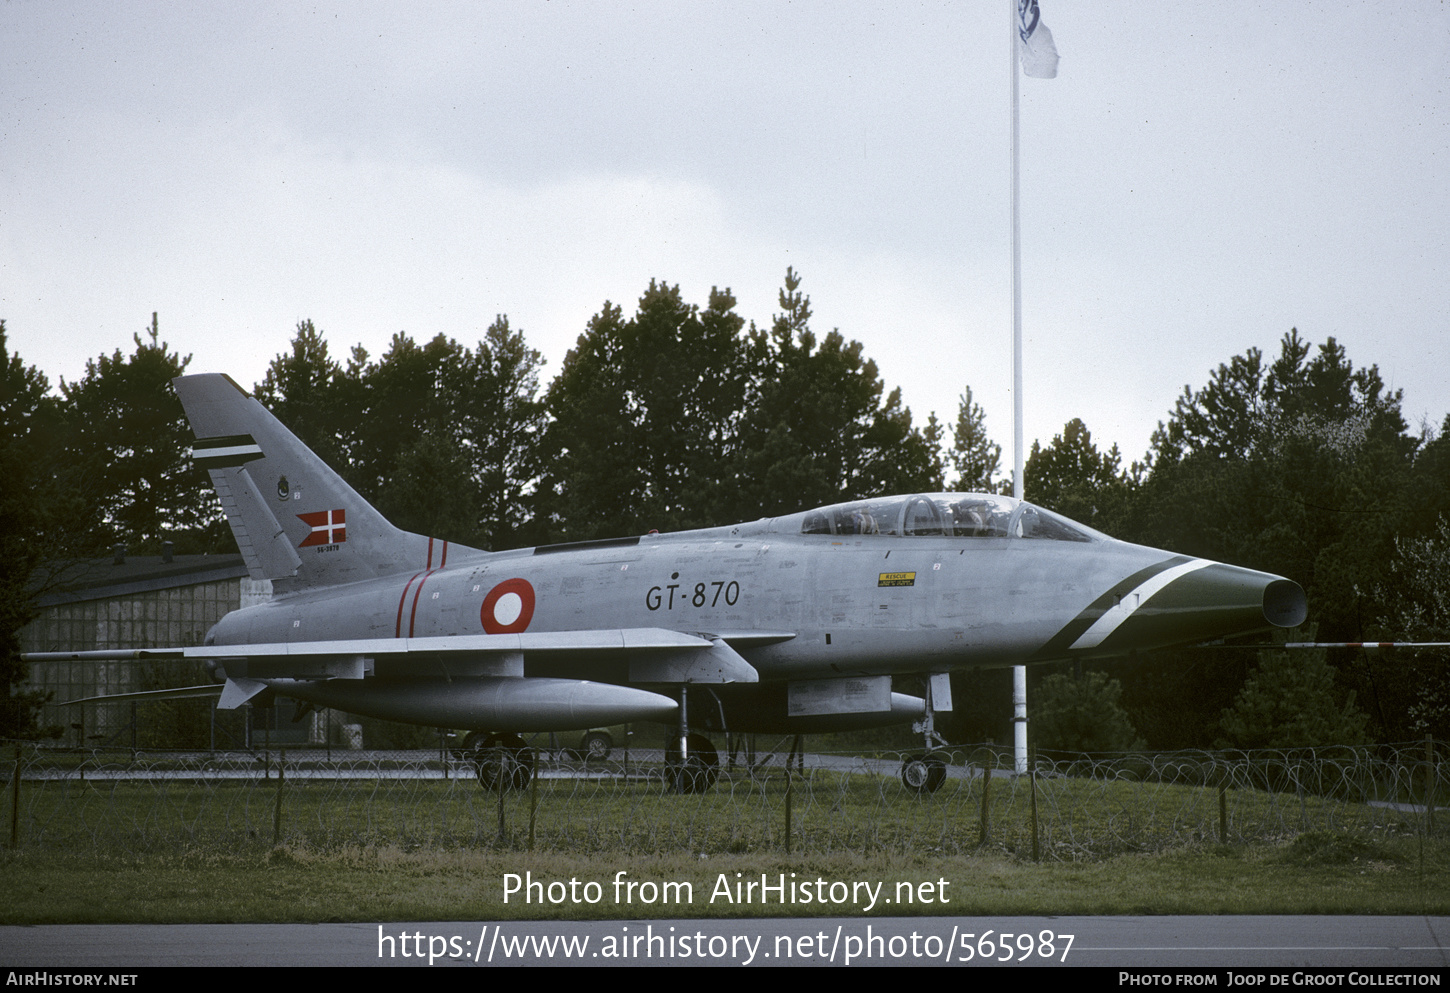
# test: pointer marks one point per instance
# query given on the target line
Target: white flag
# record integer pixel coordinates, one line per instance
(1039, 54)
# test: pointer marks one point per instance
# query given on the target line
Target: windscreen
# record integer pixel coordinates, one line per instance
(949, 515)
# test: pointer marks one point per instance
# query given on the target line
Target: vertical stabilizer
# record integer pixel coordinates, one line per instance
(296, 521)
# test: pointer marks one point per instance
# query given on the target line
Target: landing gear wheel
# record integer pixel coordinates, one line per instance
(699, 770)
(467, 749)
(923, 773)
(474, 741)
(503, 761)
(596, 745)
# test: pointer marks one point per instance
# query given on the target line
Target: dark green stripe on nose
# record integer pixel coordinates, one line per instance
(1219, 601)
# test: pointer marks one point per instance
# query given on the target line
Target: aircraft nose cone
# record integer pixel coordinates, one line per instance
(1191, 601)
(1220, 601)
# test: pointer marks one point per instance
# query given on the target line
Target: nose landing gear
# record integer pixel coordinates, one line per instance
(924, 774)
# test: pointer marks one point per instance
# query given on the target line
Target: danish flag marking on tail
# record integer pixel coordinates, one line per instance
(329, 527)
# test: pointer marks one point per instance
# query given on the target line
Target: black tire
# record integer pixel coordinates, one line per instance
(474, 740)
(464, 751)
(699, 770)
(923, 773)
(596, 745)
(502, 761)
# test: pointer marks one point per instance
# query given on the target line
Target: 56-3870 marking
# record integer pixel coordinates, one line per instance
(700, 595)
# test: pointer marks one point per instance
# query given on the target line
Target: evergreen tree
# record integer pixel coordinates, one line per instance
(976, 458)
(1412, 691)
(592, 485)
(1289, 702)
(677, 418)
(1073, 478)
(29, 503)
(817, 430)
(412, 390)
(1082, 715)
(1280, 468)
(1295, 466)
(130, 444)
(643, 418)
(310, 393)
(441, 438)
(431, 489)
(503, 424)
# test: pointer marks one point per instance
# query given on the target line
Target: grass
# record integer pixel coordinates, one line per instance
(1360, 875)
(829, 813)
(186, 850)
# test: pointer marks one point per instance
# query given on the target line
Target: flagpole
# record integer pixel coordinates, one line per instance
(1019, 672)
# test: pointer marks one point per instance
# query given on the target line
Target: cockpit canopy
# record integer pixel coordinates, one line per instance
(945, 515)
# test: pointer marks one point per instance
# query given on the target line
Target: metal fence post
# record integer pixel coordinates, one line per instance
(504, 775)
(1036, 852)
(789, 794)
(277, 810)
(533, 803)
(15, 802)
(986, 792)
(1429, 785)
(1222, 804)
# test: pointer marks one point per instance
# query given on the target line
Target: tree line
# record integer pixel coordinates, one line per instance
(678, 416)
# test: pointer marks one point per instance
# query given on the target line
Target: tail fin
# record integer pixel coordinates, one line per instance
(295, 520)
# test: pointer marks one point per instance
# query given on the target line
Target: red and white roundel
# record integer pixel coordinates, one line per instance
(508, 608)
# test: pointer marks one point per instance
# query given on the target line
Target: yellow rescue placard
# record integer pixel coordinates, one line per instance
(896, 579)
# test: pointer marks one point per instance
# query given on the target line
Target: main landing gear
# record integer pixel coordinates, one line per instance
(691, 763)
(502, 761)
(700, 768)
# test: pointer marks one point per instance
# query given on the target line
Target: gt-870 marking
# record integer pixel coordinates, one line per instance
(668, 596)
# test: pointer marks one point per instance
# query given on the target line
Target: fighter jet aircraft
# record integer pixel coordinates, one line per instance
(791, 624)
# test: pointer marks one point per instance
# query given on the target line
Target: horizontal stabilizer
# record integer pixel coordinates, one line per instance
(108, 655)
(238, 692)
(180, 693)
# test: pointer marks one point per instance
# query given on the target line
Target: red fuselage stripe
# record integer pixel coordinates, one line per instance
(402, 599)
(413, 614)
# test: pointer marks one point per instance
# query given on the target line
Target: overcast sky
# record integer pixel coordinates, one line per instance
(1200, 177)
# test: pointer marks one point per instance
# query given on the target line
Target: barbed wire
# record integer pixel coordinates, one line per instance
(1067, 808)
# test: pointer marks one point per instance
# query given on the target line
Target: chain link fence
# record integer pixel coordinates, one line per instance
(1065, 808)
